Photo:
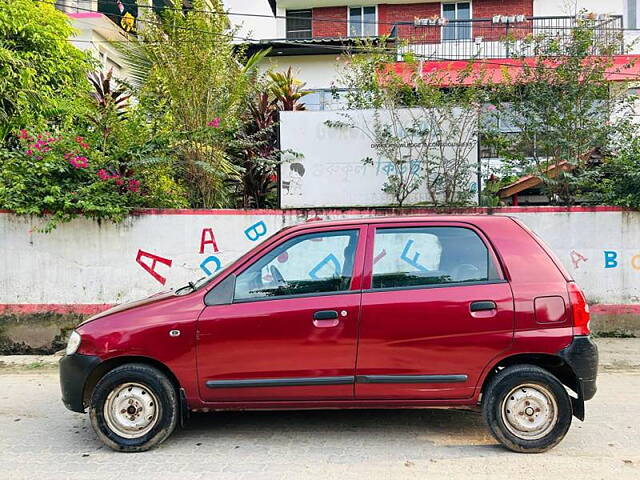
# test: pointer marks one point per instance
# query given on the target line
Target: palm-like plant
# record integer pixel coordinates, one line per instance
(287, 90)
(110, 102)
(257, 151)
(186, 63)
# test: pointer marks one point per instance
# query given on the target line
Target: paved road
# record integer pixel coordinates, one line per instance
(39, 439)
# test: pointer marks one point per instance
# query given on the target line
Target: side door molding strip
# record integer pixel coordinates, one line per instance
(411, 378)
(346, 380)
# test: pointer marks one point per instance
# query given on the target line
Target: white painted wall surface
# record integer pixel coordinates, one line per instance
(93, 33)
(544, 8)
(86, 263)
(257, 27)
(333, 173)
(316, 71)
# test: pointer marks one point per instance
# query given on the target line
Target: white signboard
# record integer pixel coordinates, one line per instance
(330, 172)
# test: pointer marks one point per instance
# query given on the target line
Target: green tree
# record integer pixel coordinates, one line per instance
(422, 135)
(192, 81)
(41, 72)
(558, 106)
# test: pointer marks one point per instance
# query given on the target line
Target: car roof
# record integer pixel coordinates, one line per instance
(472, 219)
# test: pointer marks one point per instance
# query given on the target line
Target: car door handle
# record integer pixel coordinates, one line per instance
(325, 315)
(325, 318)
(483, 305)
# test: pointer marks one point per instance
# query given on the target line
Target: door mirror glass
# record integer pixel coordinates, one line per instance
(313, 263)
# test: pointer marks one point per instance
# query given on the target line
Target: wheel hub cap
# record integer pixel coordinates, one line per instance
(530, 411)
(131, 410)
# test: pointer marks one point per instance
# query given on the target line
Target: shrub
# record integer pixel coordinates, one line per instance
(64, 176)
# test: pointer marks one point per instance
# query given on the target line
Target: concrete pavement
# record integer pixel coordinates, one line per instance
(40, 439)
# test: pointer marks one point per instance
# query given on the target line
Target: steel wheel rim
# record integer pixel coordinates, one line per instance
(529, 411)
(131, 410)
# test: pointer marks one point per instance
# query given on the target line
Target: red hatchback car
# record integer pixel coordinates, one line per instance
(443, 311)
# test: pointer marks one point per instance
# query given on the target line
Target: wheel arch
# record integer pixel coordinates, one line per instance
(108, 365)
(554, 364)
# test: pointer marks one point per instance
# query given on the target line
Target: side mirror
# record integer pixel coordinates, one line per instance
(222, 293)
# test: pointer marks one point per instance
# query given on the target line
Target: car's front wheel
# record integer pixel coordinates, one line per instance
(133, 408)
(527, 409)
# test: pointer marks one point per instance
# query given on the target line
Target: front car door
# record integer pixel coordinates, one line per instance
(436, 309)
(290, 332)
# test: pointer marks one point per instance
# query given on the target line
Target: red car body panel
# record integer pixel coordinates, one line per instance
(277, 339)
(410, 331)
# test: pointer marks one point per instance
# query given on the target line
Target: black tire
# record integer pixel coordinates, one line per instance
(141, 386)
(506, 417)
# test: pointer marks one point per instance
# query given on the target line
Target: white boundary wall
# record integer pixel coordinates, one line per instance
(83, 262)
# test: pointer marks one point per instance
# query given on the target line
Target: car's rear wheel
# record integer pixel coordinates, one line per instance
(527, 409)
(133, 408)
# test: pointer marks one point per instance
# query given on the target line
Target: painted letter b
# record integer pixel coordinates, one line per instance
(255, 231)
(610, 259)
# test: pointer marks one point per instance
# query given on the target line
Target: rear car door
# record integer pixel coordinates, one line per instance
(290, 331)
(436, 309)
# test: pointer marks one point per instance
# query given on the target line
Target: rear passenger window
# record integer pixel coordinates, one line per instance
(418, 256)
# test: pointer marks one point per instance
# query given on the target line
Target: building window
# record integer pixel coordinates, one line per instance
(458, 28)
(362, 22)
(631, 13)
(299, 23)
(325, 99)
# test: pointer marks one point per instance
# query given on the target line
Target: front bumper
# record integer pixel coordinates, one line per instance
(582, 356)
(74, 371)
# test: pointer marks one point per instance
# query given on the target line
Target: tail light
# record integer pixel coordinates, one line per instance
(580, 309)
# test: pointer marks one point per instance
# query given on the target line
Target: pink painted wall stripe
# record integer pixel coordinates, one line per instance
(30, 308)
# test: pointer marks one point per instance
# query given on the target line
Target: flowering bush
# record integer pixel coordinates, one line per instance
(66, 177)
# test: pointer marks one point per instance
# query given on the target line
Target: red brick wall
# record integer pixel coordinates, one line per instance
(329, 29)
(391, 13)
(489, 8)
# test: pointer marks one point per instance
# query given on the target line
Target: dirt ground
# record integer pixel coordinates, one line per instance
(40, 439)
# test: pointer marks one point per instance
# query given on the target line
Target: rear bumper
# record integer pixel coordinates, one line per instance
(582, 356)
(74, 371)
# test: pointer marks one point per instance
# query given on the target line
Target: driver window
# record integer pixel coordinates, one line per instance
(313, 263)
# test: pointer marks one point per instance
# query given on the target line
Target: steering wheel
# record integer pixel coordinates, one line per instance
(277, 276)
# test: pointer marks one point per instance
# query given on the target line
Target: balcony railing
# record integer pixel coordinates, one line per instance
(504, 37)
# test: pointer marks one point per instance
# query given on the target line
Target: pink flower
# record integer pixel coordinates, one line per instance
(134, 185)
(79, 139)
(119, 181)
(79, 162)
(23, 134)
(102, 174)
(215, 123)
(491, 107)
(29, 152)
